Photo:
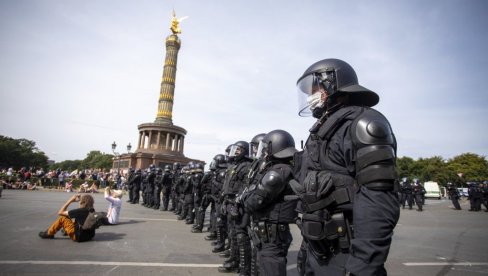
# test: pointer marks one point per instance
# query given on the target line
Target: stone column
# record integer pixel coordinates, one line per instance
(157, 140)
(167, 140)
(140, 136)
(182, 143)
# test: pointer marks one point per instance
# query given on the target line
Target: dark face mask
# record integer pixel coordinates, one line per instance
(318, 112)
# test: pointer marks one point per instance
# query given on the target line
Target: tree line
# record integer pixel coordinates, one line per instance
(17, 153)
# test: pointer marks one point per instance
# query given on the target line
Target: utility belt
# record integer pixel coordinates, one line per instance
(228, 205)
(266, 232)
(326, 235)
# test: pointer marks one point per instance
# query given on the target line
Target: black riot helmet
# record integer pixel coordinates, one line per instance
(278, 144)
(191, 165)
(254, 144)
(218, 161)
(167, 168)
(159, 170)
(238, 151)
(198, 168)
(322, 83)
(176, 166)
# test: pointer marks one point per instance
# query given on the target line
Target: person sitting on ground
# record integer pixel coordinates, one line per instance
(93, 188)
(23, 185)
(113, 213)
(31, 187)
(72, 221)
(68, 187)
(84, 187)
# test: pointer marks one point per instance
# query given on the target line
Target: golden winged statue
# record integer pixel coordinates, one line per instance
(175, 22)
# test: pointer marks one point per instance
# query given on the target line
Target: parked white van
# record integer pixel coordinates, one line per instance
(432, 190)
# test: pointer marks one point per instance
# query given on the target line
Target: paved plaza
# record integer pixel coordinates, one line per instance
(438, 241)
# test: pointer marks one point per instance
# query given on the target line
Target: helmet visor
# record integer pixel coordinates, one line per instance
(235, 150)
(311, 95)
(262, 150)
(253, 149)
(213, 165)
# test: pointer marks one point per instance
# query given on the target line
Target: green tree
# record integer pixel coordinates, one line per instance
(403, 166)
(67, 165)
(433, 169)
(473, 167)
(18, 153)
(97, 160)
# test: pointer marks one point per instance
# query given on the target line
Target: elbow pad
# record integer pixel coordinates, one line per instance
(272, 184)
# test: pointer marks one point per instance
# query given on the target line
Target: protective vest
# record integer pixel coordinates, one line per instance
(235, 178)
(266, 201)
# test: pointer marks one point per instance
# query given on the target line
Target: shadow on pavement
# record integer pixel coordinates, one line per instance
(108, 236)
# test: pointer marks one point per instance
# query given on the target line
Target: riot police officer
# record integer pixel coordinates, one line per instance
(186, 195)
(474, 196)
(218, 166)
(454, 195)
(255, 174)
(234, 183)
(130, 183)
(418, 193)
(136, 186)
(149, 186)
(407, 196)
(158, 187)
(174, 187)
(270, 212)
(167, 186)
(347, 178)
(196, 182)
(206, 199)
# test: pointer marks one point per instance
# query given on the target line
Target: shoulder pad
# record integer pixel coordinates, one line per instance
(371, 127)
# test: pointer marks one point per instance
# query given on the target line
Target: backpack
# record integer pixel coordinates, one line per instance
(93, 221)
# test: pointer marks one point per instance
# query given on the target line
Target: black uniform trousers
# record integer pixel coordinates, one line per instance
(271, 256)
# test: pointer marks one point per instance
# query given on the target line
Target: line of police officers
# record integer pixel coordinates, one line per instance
(341, 189)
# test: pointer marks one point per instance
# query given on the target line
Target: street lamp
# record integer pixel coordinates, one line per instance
(117, 155)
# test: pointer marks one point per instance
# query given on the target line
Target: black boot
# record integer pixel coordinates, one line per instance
(229, 266)
(244, 245)
(196, 229)
(232, 263)
(211, 237)
(220, 246)
(225, 253)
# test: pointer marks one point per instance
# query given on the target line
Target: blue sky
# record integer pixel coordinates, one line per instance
(77, 75)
